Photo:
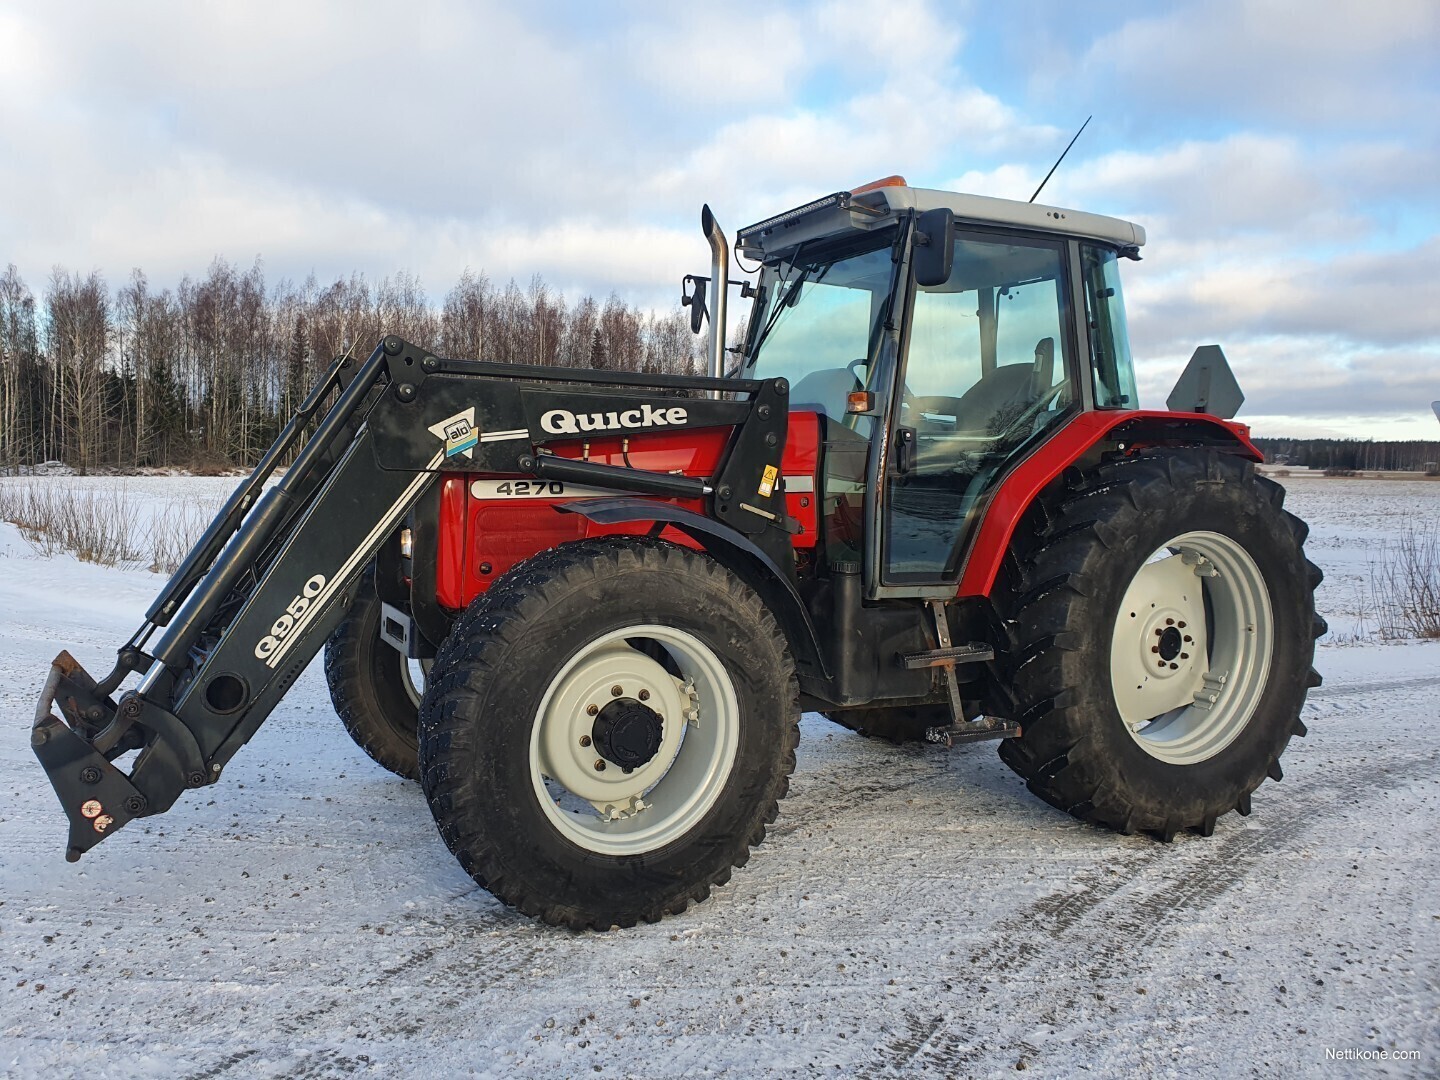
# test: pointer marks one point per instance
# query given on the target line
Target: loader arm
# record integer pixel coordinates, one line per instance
(273, 575)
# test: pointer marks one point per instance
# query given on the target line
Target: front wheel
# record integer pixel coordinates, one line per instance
(610, 733)
(374, 687)
(1164, 626)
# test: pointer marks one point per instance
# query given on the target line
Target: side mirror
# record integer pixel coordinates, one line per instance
(692, 295)
(934, 251)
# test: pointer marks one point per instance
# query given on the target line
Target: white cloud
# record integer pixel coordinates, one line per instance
(907, 36)
(1331, 63)
(721, 56)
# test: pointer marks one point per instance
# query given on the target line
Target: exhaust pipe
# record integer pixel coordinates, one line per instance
(719, 290)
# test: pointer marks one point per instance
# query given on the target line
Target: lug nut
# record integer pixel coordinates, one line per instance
(584, 740)
(599, 765)
(644, 695)
(1184, 656)
(1154, 648)
(616, 690)
(1174, 667)
(1169, 622)
(1189, 638)
(1159, 632)
(592, 710)
(1181, 624)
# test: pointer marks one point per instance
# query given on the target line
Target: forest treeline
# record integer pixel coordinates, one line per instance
(1411, 455)
(204, 375)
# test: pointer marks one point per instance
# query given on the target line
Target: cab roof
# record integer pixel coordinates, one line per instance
(877, 205)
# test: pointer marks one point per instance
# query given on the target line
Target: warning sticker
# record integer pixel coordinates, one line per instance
(767, 480)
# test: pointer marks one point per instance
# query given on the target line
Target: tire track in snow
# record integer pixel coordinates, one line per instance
(512, 955)
(1055, 928)
(1177, 901)
(1324, 693)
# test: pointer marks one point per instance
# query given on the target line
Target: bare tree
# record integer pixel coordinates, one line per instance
(463, 321)
(77, 333)
(21, 374)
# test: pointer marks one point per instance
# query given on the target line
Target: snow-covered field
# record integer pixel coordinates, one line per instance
(913, 912)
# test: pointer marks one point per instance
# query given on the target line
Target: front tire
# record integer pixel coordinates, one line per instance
(590, 808)
(1163, 632)
(373, 686)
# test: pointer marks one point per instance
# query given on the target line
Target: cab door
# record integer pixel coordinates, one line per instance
(986, 372)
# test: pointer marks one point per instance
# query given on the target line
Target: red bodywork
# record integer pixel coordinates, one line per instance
(481, 538)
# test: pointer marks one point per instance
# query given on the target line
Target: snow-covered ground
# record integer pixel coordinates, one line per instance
(913, 912)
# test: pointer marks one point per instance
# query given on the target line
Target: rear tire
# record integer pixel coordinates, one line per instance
(1163, 631)
(372, 685)
(517, 718)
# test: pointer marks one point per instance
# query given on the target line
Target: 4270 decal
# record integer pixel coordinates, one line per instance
(286, 622)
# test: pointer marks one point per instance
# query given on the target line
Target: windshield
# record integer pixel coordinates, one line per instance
(818, 319)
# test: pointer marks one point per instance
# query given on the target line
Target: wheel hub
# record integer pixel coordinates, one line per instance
(1169, 643)
(628, 732)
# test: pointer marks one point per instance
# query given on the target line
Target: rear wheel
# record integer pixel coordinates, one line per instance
(375, 688)
(608, 732)
(1164, 626)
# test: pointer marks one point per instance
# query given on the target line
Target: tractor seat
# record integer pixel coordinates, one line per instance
(996, 401)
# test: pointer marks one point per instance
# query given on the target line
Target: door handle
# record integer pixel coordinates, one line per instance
(905, 447)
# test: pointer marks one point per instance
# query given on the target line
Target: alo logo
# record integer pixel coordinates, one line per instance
(565, 422)
(459, 433)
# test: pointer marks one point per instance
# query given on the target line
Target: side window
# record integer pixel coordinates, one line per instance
(984, 373)
(1109, 339)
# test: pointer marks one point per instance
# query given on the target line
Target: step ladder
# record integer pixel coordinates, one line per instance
(949, 656)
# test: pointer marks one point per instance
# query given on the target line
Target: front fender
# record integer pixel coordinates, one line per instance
(733, 550)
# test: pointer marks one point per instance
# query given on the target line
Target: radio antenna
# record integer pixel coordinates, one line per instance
(1060, 158)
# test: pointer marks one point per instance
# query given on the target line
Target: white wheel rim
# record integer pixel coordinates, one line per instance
(1190, 652)
(413, 674)
(607, 810)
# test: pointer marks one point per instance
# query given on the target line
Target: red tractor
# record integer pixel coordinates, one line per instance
(585, 609)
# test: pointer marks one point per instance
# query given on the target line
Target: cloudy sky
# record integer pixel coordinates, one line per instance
(1284, 156)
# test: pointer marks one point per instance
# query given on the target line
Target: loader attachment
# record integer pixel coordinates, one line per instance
(97, 796)
(274, 573)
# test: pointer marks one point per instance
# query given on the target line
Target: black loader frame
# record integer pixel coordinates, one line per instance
(272, 576)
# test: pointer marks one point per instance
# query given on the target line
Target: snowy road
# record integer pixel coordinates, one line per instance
(912, 913)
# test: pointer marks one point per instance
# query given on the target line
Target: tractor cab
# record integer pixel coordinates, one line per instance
(941, 337)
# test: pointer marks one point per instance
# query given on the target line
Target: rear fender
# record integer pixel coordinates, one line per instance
(735, 552)
(1081, 442)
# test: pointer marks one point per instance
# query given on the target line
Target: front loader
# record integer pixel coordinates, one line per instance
(586, 608)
